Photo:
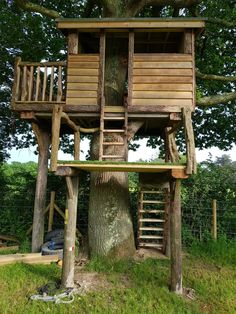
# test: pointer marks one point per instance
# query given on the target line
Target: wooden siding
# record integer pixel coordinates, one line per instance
(82, 79)
(162, 80)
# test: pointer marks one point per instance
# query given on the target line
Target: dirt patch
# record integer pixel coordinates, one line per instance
(142, 254)
(93, 281)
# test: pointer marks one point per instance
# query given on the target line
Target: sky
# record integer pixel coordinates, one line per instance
(143, 152)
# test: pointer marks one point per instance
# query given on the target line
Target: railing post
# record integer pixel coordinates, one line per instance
(214, 220)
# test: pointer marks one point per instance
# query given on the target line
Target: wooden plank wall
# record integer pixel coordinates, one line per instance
(82, 79)
(163, 80)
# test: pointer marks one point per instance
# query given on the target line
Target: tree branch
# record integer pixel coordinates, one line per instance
(33, 7)
(216, 99)
(214, 77)
(135, 6)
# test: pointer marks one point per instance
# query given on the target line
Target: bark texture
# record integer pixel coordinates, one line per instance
(41, 187)
(110, 228)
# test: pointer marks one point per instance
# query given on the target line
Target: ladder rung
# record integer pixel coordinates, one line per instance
(150, 237)
(152, 211)
(112, 156)
(150, 229)
(151, 220)
(153, 202)
(151, 245)
(114, 118)
(114, 131)
(113, 143)
(152, 192)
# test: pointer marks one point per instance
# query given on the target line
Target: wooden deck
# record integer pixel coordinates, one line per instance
(123, 166)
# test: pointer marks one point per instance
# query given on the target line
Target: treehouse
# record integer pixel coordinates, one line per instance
(122, 77)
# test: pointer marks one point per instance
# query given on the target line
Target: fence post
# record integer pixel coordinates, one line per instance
(214, 220)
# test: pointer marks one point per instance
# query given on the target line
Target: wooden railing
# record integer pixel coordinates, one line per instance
(39, 82)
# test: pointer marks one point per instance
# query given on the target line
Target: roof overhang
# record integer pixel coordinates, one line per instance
(124, 24)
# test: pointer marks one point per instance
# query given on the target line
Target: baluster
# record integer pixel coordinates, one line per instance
(59, 90)
(51, 83)
(30, 83)
(24, 91)
(38, 83)
(44, 82)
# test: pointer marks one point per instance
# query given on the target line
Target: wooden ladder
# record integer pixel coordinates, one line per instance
(152, 218)
(113, 134)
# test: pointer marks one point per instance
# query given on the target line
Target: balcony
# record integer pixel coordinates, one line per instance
(38, 85)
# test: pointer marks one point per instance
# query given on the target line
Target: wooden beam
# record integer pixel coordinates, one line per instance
(130, 67)
(69, 185)
(73, 42)
(66, 171)
(56, 125)
(43, 140)
(77, 145)
(51, 210)
(179, 174)
(69, 122)
(190, 143)
(67, 278)
(30, 258)
(175, 237)
(120, 167)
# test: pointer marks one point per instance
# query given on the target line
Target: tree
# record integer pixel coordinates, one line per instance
(39, 16)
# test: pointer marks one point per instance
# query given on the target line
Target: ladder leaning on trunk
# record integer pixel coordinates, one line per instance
(113, 133)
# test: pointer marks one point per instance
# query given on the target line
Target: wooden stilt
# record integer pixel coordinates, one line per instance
(190, 144)
(41, 187)
(175, 238)
(56, 124)
(51, 211)
(67, 279)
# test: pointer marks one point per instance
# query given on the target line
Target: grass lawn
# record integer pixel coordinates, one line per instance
(146, 289)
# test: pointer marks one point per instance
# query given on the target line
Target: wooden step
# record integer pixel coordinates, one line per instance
(151, 245)
(150, 229)
(150, 237)
(114, 118)
(151, 220)
(112, 156)
(152, 192)
(152, 211)
(113, 143)
(113, 131)
(152, 202)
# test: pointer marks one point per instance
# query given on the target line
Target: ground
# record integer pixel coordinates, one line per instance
(135, 286)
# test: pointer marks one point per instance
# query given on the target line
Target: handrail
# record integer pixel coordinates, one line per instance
(40, 82)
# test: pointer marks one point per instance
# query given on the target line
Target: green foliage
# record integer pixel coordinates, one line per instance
(222, 252)
(214, 180)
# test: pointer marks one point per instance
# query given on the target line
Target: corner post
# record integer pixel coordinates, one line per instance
(43, 140)
(67, 278)
(175, 237)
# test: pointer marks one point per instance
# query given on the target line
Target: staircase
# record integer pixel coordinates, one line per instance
(152, 217)
(113, 134)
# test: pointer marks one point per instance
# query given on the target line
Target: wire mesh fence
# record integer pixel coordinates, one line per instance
(16, 215)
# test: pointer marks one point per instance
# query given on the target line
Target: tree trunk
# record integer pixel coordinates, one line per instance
(41, 187)
(110, 224)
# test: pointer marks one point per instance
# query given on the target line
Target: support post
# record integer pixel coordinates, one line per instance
(214, 220)
(77, 145)
(190, 144)
(43, 140)
(67, 278)
(175, 238)
(51, 210)
(56, 125)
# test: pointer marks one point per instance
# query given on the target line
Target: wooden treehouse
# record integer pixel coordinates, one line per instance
(157, 95)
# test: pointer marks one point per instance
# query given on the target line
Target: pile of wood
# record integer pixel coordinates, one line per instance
(29, 258)
(4, 240)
